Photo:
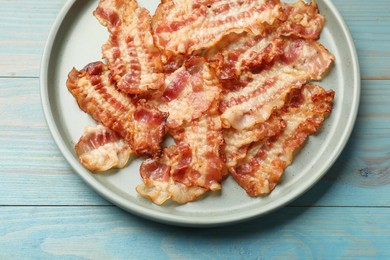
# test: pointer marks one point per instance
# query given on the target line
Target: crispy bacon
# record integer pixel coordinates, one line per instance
(190, 168)
(194, 165)
(236, 53)
(100, 149)
(159, 186)
(238, 142)
(303, 20)
(140, 124)
(260, 171)
(187, 26)
(239, 52)
(189, 92)
(300, 61)
(130, 52)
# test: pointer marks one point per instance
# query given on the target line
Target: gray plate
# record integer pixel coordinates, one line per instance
(76, 40)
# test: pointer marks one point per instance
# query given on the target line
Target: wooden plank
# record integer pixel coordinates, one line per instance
(24, 27)
(110, 233)
(374, 110)
(360, 176)
(369, 26)
(23, 34)
(29, 157)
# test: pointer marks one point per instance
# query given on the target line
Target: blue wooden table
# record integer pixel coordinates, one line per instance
(47, 211)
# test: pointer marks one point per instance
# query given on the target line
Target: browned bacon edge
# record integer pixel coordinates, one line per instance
(100, 149)
(267, 159)
(140, 124)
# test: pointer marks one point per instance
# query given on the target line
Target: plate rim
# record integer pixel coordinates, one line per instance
(189, 221)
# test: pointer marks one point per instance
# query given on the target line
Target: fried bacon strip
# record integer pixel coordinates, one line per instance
(260, 171)
(238, 142)
(188, 92)
(188, 26)
(300, 61)
(303, 20)
(100, 149)
(190, 168)
(236, 53)
(130, 52)
(140, 124)
(194, 165)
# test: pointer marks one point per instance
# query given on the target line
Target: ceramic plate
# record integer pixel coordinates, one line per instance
(76, 40)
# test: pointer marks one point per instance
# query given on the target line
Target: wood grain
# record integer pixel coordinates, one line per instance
(24, 27)
(110, 233)
(369, 26)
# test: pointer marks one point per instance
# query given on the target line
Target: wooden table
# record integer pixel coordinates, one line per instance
(47, 211)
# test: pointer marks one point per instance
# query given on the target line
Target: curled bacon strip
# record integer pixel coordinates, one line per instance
(100, 149)
(236, 53)
(140, 124)
(190, 168)
(300, 61)
(188, 26)
(130, 51)
(260, 171)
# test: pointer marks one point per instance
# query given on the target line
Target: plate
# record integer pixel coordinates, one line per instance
(76, 39)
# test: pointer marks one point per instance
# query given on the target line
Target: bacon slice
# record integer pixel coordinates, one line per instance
(188, 26)
(140, 124)
(236, 53)
(300, 61)
(130, 52)
(303, 20)
(100, 149)
(189, 92)
(194, 165)
(191, 167)
(260, 171)
(238, 142)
